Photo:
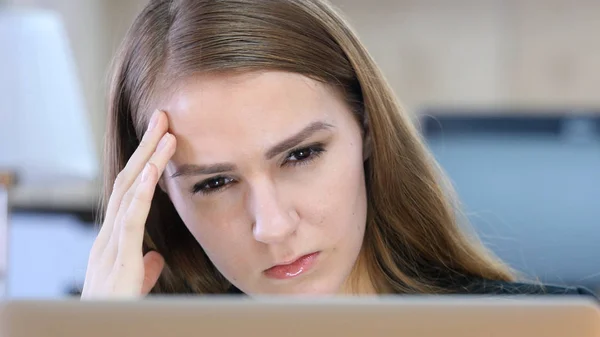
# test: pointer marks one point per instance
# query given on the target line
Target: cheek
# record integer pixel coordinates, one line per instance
(217, 224)
(222, 235)
(334, 199)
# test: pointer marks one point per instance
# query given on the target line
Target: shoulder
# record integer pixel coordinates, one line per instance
(521, 288)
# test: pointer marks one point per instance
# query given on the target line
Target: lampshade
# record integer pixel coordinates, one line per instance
(45, 136)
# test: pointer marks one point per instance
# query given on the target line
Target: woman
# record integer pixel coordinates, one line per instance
(277, 162)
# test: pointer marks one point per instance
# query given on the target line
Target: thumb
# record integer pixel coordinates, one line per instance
(153, 266)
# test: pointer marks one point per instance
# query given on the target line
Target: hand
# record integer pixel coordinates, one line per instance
(116, 266)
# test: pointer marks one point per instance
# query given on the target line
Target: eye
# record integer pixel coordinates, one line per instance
(304, 155)
(212, 185)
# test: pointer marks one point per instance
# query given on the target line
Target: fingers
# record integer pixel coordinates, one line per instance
(160, 158)
(153, 266)
(127, 235)
(129, 230)
(156, 129)
(116, 265)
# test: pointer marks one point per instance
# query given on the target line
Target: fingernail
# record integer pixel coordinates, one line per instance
(153, 120)
(146, 173)
(163, 141)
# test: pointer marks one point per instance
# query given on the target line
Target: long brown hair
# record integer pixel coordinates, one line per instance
(414, 241)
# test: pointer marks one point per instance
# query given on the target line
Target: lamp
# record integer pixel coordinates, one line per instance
(45, 139)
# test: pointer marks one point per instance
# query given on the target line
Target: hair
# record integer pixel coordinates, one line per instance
(415, 240)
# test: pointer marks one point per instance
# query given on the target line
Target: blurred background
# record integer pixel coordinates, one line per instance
(506, 93)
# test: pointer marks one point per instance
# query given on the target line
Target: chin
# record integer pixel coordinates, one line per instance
(308, 288)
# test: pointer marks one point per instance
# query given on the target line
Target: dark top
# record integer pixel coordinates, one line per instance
(487, 287)
(502, 288)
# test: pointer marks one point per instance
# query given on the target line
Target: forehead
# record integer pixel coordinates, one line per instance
(232, 112)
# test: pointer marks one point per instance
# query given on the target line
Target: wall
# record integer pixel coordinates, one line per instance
(484, 53)
(524, 53)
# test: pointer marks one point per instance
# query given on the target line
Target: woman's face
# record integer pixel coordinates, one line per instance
(268, 177)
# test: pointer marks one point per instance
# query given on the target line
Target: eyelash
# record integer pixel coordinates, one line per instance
(314, 151)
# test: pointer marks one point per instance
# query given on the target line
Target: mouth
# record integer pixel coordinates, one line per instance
(293, 269)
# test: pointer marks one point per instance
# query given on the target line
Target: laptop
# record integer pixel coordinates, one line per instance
(423, 316)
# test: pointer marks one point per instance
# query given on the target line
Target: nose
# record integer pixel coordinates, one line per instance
(274, 221)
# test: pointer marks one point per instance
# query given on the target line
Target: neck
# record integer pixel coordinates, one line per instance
(359, 283)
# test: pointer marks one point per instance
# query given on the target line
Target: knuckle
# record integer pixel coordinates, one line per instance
(143, 144)
(119, 181)
(129, 222)
(126, 198)
(143, 195)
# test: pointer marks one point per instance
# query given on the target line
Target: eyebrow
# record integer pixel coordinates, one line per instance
(286, 144)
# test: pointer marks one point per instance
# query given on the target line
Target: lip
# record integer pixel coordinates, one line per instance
(293, 269)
